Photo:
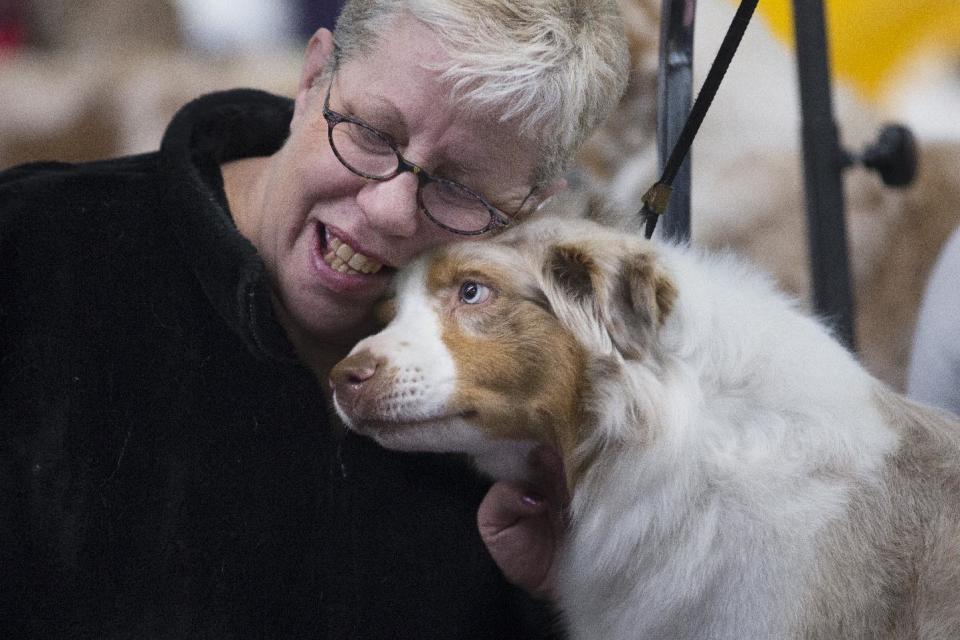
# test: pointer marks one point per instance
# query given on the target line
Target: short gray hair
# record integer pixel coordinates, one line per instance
(556, 67)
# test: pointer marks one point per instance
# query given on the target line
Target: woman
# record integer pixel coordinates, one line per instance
(168, 466)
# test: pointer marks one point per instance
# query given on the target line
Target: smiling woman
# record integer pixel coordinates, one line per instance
(405, 72)
(382, 220)
(169, 468)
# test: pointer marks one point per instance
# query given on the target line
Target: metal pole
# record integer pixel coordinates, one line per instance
(823, 161)
(674, 98)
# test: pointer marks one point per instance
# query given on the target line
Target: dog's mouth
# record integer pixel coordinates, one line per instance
(381, 424)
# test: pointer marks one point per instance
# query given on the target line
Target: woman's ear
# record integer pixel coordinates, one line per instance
(318, 53)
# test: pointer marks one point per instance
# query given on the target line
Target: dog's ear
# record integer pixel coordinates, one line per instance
(572, 282)
(573, 272)
(627, 298)
(641, 297)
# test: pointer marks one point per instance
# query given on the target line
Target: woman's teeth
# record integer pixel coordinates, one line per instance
(341, 257)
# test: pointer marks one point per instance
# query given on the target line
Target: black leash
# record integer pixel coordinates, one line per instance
(656, 198)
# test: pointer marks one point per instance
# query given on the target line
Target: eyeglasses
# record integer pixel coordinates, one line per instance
(372, 154)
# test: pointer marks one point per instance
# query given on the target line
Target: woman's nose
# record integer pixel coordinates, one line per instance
(391, 205)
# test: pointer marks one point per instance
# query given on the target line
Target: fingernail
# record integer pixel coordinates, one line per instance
(532, 499)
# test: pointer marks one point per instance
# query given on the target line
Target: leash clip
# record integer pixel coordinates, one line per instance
(656, 198)
(655, 202)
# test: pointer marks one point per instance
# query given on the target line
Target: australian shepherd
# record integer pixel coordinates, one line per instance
(734, 472)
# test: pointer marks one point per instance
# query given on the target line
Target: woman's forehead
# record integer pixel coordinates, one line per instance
(398, 86)
(435, 129)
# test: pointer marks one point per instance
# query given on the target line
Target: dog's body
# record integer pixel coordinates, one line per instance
(734, 472)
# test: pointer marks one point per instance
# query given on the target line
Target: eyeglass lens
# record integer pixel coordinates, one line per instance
(367, 152)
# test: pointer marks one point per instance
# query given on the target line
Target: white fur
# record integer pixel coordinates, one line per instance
(705, 533)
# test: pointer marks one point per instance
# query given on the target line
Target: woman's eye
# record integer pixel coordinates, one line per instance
(366, 139)
(453, 195)
(474, 292)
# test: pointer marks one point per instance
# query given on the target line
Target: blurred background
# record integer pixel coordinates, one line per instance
(82, 79)
(87, 79)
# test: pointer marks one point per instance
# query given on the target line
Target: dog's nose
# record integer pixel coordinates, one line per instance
(349, 375)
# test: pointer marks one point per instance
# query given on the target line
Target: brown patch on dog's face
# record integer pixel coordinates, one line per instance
(519, 370)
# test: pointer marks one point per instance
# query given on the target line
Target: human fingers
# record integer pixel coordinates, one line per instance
(519, 530)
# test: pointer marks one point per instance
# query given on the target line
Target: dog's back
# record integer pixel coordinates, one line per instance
(891, 567)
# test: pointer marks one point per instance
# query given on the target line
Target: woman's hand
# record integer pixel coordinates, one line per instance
(523, 525)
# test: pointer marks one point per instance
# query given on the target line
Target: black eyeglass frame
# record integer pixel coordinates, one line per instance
(498, 219)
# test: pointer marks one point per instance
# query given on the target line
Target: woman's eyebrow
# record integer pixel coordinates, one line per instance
(455, 169)
(379, 113)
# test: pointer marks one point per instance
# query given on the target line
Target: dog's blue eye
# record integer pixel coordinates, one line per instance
(473, 292)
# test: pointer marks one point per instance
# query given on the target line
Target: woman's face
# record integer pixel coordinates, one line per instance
(311, 204)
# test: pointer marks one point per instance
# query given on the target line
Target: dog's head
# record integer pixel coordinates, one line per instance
(499, 342)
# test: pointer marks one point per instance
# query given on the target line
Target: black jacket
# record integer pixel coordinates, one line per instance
(167, 467)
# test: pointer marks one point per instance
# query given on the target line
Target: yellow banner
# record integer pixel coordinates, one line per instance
(870, 39)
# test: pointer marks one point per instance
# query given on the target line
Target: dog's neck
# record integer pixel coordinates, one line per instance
(510, 460)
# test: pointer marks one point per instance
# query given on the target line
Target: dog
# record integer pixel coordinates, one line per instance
(734, 472)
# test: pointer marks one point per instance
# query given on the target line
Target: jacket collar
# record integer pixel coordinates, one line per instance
(204, 134)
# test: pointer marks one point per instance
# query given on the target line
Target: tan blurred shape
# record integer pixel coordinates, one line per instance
(109, 25)
(103, 78)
